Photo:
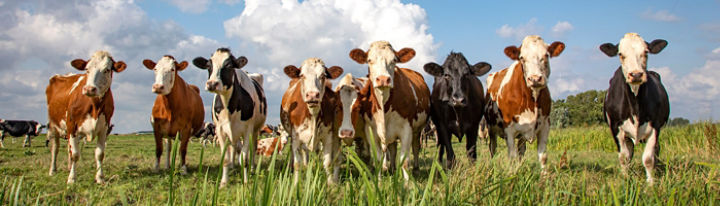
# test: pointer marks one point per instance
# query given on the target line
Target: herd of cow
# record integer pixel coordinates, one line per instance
(390, 103)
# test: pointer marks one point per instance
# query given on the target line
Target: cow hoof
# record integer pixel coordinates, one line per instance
(100, 181)
(183, 170)
(223, 184)
(71, 180)
(651, 181)
(51, 173)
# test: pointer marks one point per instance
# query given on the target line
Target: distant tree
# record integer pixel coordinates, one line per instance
(578, 110)
(678, 121)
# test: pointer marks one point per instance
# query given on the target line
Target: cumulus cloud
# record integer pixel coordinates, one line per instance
(520, 31)
(660, 15)
(42, 37)
(191, 6)
(561, 28)
(274, 33)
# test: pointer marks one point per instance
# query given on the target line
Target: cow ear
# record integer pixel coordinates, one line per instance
(657, 45)
(241, 62)
(78, 64)
(556, 48)
(335, 72)
(405, 55)
(149, 64)
(359, 56)
(292, 71)
(609, 49)
(119, 66)
(513, 52)
(181, 66)
(481, 68)
(200, 62)
(434, 69)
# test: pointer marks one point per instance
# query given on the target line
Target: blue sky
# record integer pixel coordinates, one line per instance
(42, 36)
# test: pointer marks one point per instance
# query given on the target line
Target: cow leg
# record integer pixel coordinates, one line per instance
(390, 157)
(297, 158)
(649, 156)
(328, 157)
(521, 147)
(445, 141)
(542, 146)
(246, 155)
(226, 145)
(510, 140)
(471, 144)
(625, 154)
(2, 139)
(416, 146)
(74, 156)
(100, 156)
(53, 151)
(158, 150)
(26, 143)
(168, 151)
(406, 142)
(184, 140)
(492, 142)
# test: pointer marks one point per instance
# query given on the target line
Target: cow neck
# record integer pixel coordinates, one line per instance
(94, 105)
(528, 97)
(630, 93)
(300, 111)
(534, 92)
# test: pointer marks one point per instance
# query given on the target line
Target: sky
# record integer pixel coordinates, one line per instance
(40, 37)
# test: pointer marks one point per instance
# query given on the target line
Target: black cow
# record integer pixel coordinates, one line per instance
(17, 128)
(637, 105)
(456, 103)
(207, 133)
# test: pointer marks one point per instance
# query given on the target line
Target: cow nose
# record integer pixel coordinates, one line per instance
(383, 81)
(312, 96)
(211, 85)
(636, 75)
(89, 90)
(157, 88)
(536, 80)
(346, 133)
(458, 101)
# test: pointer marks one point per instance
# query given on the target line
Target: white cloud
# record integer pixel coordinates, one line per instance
(561, 28)
(42, 37)
(520, 31)
(192, 6)
(276, 33)
(230, 2)
(660, 15)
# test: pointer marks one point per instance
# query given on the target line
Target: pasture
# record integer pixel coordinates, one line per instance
(583, 164)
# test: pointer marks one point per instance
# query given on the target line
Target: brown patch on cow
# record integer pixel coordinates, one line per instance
(359, 56)
(294, 109)
(73, 106)
(516, 97)
(405, 55)
(401, 97)
(266, 147)
(513, 52)
(556, 48)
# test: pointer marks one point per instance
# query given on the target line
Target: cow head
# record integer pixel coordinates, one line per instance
(38, 127)
(221, 70)
(313, 75)
(348, 89)
(99, 70)
(165, 72)
(453, 76)
(381, 59)
(534, 56)
(633, 51)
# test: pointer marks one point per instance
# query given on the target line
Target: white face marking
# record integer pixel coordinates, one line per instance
(165, 75)
(312, 77)
(633, 51)
(381, 61)
(76, 84)
(99, 73)
(535, 58)
(218, 59)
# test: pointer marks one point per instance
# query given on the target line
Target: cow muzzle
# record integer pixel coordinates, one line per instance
(458, 102)
(346, 134)
(312, 99)
(212, 86)
(536, 81)
(90, 91)
(157, 88)
(636, 77)
(383, 82)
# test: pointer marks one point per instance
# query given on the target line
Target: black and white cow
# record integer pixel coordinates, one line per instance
(207, 133)
(239, 109)
(457, 102)
(17, 128)
(637, 105)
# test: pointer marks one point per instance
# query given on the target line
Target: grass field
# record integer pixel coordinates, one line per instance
(584, 170)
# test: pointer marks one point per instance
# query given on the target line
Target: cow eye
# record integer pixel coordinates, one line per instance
(521, 58)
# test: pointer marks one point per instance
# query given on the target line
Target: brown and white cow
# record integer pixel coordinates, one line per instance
(518, 99)
(403, 101)
(81, 105)
(178, 108)
(239, 108)
(356, 113)
(308, 112)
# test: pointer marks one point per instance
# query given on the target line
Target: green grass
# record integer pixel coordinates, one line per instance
(583, 163)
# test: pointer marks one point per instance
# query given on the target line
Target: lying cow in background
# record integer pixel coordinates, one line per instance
(457, 103)
(178, 109)
(239, 108)
(636, 106)
(17, 128)
(81, 105)
(518, 99)
(207, 134)
(309, 113)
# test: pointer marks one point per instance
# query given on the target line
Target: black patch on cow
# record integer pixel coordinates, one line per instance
(261, 97)
(650, 105)
(240, 100)
(457, 81)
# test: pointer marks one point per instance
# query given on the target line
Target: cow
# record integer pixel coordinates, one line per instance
(239, 108)
(178, 108)
(356, 113)
(17, 128)
(81, 105)
(207, 133)
(457, 102)
(308, 113)
(518, 99)
(636, 106)
(267, 146)
(401, 102)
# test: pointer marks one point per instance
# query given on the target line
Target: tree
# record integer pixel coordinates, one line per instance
(678, 121)
(579, 110)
